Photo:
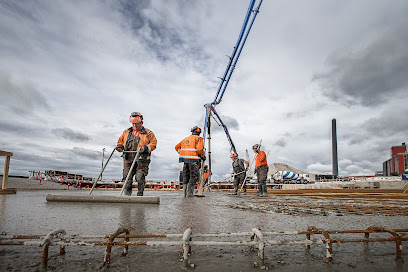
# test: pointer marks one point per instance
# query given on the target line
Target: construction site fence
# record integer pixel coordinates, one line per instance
(254, 239)
(78, 181)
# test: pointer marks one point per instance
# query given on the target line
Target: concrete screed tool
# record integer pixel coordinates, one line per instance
(105, 198)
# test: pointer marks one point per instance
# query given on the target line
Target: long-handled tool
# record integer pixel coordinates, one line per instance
(103, 169)
(233, 175)
(130, 171)
(249, 168)
(201, 188)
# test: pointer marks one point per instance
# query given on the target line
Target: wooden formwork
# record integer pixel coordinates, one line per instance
(4, 189)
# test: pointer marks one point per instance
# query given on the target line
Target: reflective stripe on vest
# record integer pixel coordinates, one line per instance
(188, 148)
(189, 157)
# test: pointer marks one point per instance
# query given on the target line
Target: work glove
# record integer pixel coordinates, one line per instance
(203, 158)
(144, 149)
(119, 148)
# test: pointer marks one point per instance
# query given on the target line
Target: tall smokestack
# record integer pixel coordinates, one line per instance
(334, 149)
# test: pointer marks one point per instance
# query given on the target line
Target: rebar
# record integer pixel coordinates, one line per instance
(257, 239)
(46, 244)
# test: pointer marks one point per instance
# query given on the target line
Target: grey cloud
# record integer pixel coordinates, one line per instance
(152, 31)
(281, 142)
(388, 127)
(17, 8)
(19, 95)
(299, 114)
(161, 35)
(391, 122)
(69, 134)
(11, 127)
(87, 153)
(230, 122)
(133, 11)
(371, 75)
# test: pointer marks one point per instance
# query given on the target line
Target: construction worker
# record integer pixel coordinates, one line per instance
(136, 138)
(191, 150)
(206, 174)
(239, 167)
(261, 170)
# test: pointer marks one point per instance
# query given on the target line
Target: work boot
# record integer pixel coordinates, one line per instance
(235, 189)
(140, 189)
(260, 190)
(244, 188)
(140, 183)
(127, 193)
(185, 190)
(190, 189)
(265, 190)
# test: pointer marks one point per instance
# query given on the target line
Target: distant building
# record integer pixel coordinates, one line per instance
(398, 161)
(379, 174)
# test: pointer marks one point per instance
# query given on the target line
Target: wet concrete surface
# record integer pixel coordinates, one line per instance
(28, 213)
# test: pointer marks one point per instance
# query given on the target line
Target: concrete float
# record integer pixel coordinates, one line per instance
(104, 199)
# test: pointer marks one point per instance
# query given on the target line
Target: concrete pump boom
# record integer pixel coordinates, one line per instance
(233, 59)
(210, 107)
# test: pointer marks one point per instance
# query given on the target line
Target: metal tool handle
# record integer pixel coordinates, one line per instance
(130, 171)
(201, 188)
(100, 175)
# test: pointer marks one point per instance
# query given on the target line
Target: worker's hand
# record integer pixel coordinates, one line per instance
(203, 158)
(144, 149)
(119, 148)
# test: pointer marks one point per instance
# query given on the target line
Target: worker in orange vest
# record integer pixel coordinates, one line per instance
(191, 150)
(206, 174)
(239, 167)
(261, 170)
(135, 138)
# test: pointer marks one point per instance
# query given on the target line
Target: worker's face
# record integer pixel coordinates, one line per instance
(137, 126)
(234, 158)
(255, 150)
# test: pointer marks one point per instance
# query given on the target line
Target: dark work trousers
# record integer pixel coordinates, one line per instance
(140, 170)
(190, 173)
(261, 174)
(190, 177)
(239, 179)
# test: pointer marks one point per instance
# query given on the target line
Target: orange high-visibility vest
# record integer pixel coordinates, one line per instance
(260, 159)
(147, 137)
(206, 174)
(190, 149)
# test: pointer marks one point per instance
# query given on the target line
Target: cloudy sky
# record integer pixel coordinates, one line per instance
(71, 72)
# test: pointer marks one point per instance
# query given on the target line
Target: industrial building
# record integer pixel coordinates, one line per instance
(397, 164)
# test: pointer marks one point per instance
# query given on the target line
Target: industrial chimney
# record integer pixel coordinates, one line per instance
(334, 150)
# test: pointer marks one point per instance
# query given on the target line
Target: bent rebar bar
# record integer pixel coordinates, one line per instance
(46, 244)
